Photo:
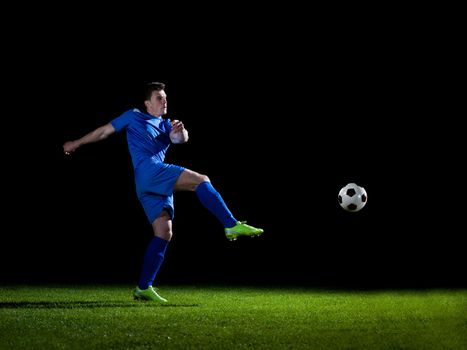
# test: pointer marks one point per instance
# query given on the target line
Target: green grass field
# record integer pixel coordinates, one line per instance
(106, 317)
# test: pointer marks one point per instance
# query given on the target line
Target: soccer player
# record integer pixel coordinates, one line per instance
(149, 135)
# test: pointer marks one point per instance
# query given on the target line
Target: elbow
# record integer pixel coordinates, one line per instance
(106, 131)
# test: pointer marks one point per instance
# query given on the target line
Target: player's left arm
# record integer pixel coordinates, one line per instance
(178, 134)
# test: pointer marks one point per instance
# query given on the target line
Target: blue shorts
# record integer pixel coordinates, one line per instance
(154, 187)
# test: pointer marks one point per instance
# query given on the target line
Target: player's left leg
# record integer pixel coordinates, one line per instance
(212, 200)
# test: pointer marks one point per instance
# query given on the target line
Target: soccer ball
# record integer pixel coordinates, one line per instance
(352, 197)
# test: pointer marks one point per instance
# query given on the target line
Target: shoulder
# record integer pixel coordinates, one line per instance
(134, 113)
(124, 119)
(129, 112)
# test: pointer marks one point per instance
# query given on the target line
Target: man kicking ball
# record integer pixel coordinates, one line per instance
(149, 135)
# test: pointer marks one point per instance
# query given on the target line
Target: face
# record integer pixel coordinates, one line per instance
(157, 105)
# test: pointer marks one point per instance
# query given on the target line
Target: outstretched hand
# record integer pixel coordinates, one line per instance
(69, 147)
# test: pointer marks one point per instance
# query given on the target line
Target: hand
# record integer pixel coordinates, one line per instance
(177, 126)
(69, 147)
(178, 134)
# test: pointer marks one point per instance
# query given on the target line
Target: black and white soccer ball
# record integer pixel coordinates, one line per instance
(352, 197)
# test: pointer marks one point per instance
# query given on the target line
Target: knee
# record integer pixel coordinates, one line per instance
(204, 178)
(164, 234)
(200, 179)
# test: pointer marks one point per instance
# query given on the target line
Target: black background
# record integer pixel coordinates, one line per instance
(281, 114)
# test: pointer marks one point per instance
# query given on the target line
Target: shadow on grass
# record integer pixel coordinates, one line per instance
(82, 304)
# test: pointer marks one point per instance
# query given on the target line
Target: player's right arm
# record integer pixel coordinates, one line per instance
(98, 134)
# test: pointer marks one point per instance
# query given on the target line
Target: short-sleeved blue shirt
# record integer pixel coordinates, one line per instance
(148, 140)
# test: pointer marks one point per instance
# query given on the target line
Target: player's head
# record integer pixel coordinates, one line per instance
(155, 99)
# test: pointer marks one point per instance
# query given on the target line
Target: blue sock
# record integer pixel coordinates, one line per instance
(153, 259)
(212, 200)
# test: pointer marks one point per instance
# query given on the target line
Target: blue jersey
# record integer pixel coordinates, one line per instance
(147, 136)
(148, 140)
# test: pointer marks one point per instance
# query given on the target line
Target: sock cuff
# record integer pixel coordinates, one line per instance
(202, 186)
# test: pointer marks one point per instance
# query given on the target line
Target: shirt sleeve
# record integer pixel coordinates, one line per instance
(122, 121)
(168, 125)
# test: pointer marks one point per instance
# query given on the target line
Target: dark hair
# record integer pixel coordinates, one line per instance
(150, 87)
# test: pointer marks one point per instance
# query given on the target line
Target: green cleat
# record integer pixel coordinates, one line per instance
(242, 229)
(148, 294)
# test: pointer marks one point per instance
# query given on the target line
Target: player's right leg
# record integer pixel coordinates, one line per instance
(154, 258)
(148, 294)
